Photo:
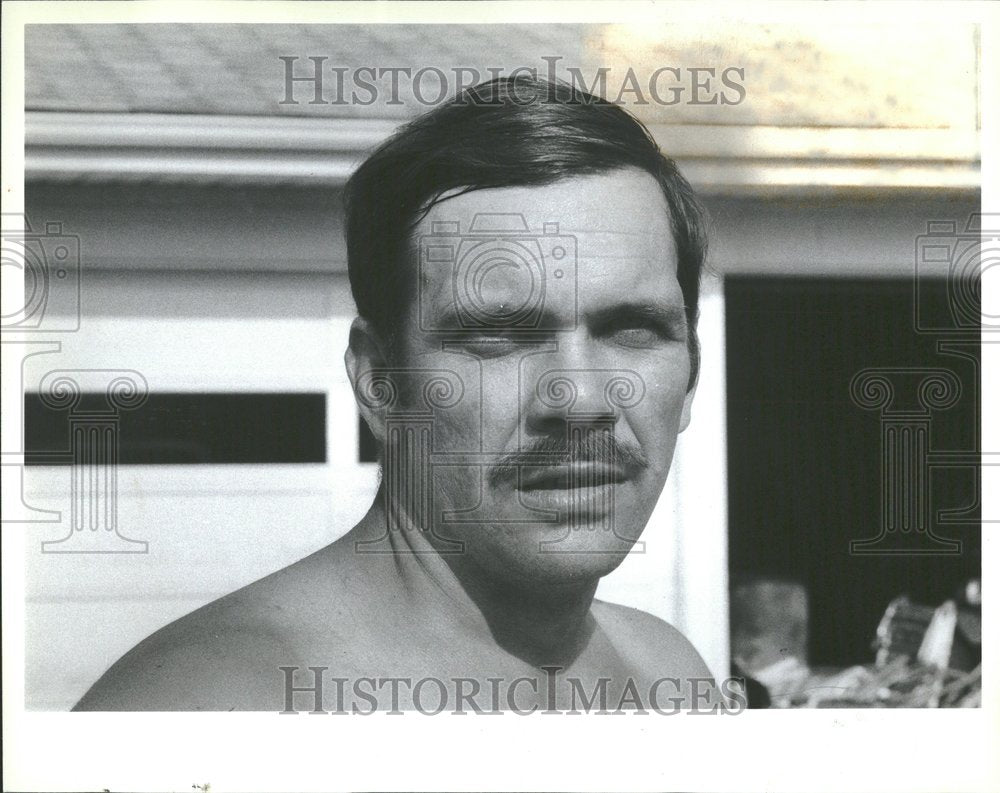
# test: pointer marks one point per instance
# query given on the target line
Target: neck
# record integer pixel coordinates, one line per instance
(542, 625)
(539, 624)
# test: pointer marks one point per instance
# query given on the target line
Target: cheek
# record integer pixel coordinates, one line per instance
(446, 390)
(502, 405)
(656, 420)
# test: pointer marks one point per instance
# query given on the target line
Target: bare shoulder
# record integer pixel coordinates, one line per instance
(652, 643)
(226, 655)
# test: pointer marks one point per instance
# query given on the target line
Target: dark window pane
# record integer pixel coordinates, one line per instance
(189, 428)
(805, 462)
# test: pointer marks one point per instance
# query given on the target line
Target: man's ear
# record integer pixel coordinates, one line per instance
(688, 399)
(365, 356)
(694, 359)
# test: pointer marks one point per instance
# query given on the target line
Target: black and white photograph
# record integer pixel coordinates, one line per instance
(595, 366)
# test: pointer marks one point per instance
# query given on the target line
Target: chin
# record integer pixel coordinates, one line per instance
(552, 557)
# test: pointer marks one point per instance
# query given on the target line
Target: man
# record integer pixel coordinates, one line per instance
(525, 264)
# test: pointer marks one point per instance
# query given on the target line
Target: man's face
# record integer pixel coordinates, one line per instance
(565, 350)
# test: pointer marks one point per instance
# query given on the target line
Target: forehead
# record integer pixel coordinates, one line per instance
(618, 222)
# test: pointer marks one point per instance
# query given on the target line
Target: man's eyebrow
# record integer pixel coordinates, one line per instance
(447, 315)
(673, 316)
(670, 316)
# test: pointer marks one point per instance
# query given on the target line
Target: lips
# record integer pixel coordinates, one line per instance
(582, 493)
(569, 476)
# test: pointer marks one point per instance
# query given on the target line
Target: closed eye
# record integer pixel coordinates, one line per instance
(642, 326)
(638, 336)
(489, 343)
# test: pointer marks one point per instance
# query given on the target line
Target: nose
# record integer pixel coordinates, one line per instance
(569, 390)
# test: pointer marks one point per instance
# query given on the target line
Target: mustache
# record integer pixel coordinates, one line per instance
(601, 447)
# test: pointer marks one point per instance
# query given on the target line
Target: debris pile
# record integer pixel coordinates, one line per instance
(925, 657)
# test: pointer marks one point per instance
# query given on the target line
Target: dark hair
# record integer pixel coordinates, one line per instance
(515, 131)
